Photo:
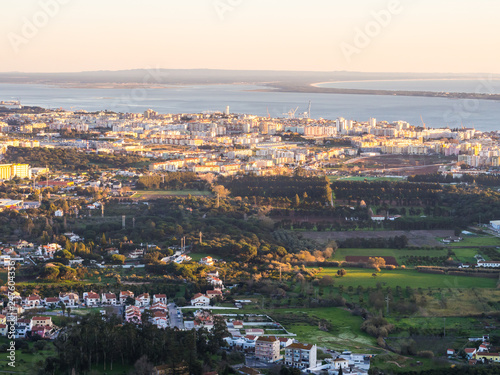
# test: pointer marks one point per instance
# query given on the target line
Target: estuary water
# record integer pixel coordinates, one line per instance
(484, 115)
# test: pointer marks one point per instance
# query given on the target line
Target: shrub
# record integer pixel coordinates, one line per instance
(425, 354)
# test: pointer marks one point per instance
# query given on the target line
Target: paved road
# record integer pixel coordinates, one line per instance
(175, 320)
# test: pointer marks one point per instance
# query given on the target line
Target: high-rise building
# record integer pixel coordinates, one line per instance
(5, 171)
(9, 171)
(21, 171)
(300, 356)
(267, 348)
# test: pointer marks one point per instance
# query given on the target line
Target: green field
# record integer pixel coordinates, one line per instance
(477, 241)
(462, 255)
(162, 193)
(393, 363)
(344, 334)
(26, 363)
(472, 326)
(404, 278)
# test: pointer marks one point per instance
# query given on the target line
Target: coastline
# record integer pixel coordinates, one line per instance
(400, 80)
(311, 88)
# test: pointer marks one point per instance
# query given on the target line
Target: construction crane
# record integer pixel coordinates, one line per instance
(423, 123)
(291, 113)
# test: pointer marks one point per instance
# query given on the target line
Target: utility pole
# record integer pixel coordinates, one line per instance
(387, 299)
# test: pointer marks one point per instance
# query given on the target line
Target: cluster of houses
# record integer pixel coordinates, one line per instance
(90, 299)
(37, 325)
(158, 310)
(213, 279)
(297, 355)
(481, 354)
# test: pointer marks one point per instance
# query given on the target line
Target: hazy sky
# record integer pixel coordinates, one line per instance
(407, 36)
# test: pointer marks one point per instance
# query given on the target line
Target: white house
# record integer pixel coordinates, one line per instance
(216, 282)
(59, 213)
(495, 224)
(91, 298)
(160, 298)
(48, 250)
(470, 352)
(200, 300)
(340, 362)
(109, 298)
(22, 327)
(32, 301)
(142, 300)
(160, 319)
(124, 294)
(207, 261)
(214, 293)
(51, 301)
(69, 299)
(285, 341)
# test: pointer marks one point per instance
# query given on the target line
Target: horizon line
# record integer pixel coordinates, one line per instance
(248, 70)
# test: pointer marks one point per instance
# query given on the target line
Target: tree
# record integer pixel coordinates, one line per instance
(281, 251)
(297, 200)
(63, 306)
(154, 257)
(68, 310)
(118, 259)
(143, 366)
(103, 240)
(376, 262)
(221, 190)
(326, 281)
(341, 272)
